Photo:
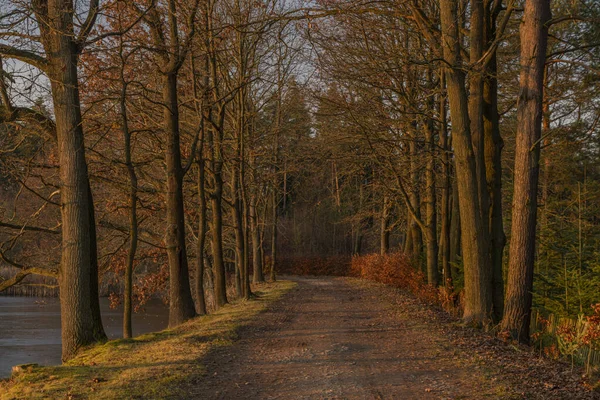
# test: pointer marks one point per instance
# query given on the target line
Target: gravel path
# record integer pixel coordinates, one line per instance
(329, 338)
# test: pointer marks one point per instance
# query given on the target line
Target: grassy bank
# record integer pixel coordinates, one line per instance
(157, 365)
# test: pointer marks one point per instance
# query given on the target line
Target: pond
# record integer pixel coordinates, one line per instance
(30, 328)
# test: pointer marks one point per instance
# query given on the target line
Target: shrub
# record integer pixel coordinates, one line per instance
(396, 270)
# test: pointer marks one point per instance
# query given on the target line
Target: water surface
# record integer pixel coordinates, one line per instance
(30, 328)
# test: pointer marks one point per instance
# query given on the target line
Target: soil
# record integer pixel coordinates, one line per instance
(335, 338)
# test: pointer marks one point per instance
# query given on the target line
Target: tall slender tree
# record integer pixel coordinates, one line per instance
(534, 42)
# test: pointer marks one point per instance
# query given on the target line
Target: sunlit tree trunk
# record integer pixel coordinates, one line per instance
(478, 291)
(81, 323)
(534, 41)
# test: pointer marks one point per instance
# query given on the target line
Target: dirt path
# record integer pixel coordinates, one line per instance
(329, 338)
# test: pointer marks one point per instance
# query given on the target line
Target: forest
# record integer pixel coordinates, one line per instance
(190, 150)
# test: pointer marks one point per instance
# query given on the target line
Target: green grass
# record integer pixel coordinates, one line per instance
(157, 365)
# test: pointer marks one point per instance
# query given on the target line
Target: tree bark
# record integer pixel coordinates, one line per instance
(455, 237)
(216, 198)
(98, 327)
(534, 41)
(274, 205)
(476, 105)
(384, 245)
(200, 298)
(446, 191)
(493, 161)
(256, 252)
(81, 323)
(181, 303)
(478, 280)
(133, 221)
(238, 229)
(431, 209)
(416, 240)
(77, 320)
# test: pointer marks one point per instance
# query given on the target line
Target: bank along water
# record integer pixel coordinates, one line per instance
(30, 328)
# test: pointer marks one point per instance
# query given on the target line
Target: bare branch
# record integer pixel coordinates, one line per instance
(89, 23)
(26, 56)
(28, 228)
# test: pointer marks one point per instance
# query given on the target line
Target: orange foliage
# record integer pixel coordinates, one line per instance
(592, 335)
(395, 269)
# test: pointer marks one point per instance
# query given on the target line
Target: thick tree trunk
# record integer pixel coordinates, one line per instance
(534, 40)
(478, 279)
(476, 104)
(181, 303)
(81, 323)
(78, 325)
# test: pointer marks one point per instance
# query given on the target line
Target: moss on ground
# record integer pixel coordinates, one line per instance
(157, 365)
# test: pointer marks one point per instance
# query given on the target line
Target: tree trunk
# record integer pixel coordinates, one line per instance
(200, 298)
(133, 221)
(181, 303)
(455, 237)
(534, 40)
(430, 209)
(357, 246)
(478, 279)
(246, 289)
(446, 191)
(385, 221)
(416, 236)
(274, 204)
(76, 275)
(493, 161)
(476, 105)
(97, 327)
(81, 324)
(256, 254)
(217, 243)
(238, 229)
